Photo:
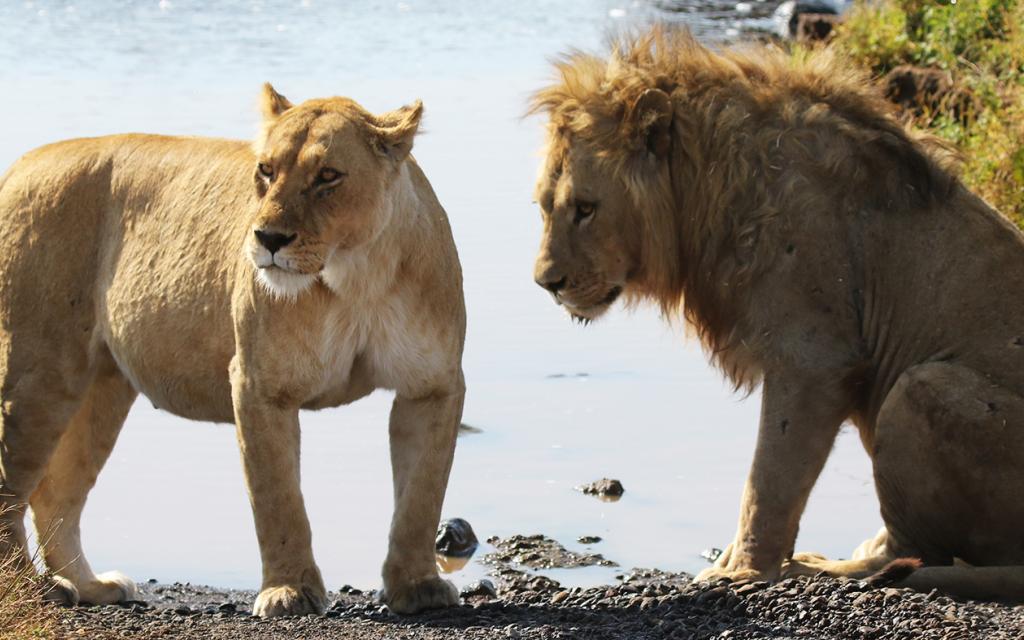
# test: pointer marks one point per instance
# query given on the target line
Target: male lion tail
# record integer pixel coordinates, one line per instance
(965, 581)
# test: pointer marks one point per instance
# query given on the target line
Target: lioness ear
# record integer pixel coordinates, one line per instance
(272, 103)
(396, 129)
(654, 114)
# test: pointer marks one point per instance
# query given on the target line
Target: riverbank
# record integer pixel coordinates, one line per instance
(642, 605)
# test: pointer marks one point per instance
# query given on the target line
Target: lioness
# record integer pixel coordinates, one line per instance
(230, 282)
(823, 251)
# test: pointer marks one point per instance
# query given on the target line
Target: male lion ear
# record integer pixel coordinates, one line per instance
(396, 129)
(654, 112)
(272, 103)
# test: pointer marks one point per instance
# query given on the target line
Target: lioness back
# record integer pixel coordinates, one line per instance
(133, 233)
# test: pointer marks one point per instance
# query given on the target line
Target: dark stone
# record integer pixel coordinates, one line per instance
(481, 588)
(816, 27)
(455, 538)
(924, 90)
(588, 539)
(605, 487)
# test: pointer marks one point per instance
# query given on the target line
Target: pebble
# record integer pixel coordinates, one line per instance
(479, 588)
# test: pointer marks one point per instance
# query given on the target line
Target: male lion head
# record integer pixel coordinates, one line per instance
(598, 224)
(323, 173)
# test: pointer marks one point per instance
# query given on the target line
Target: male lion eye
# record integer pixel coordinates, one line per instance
(327, 175)
(265, 170)
(583, 211)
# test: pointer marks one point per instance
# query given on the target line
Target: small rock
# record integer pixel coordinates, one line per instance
(711, 555)
(605, 488)
(863, 599)
(456, 538)
(588, 539)
(558, 597)
(750, 588)
(484, 588)
(227, 607)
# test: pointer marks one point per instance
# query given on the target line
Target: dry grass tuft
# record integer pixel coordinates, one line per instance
(23, 613)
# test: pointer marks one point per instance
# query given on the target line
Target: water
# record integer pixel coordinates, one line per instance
(171, 503)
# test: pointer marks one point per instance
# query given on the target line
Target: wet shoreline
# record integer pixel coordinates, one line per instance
(641, 604)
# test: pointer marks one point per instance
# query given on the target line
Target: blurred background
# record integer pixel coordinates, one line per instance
(557, 405)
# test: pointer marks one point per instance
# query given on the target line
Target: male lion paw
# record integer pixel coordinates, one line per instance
(805, 564)
(432, 593)
(289, 601)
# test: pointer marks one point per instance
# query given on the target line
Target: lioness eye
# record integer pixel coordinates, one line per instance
(327, 175)
(265, 170)
(583, 211)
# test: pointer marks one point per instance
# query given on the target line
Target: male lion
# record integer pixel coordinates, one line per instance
(230, 283)
(819, 249)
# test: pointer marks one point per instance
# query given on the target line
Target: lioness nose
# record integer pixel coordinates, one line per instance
(273, 240)
(554, 286)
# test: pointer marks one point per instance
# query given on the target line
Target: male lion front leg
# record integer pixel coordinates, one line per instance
(423, 433)
(799, 423)
(269, 440)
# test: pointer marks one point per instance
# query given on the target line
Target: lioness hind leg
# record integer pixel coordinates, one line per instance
(36, 405)
(58, 501)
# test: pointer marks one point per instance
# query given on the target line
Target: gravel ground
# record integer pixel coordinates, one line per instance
(642, 604)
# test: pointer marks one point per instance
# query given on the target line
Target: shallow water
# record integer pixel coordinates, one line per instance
(171, 504)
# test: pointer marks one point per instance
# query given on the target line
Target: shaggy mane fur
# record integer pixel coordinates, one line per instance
(755, 132)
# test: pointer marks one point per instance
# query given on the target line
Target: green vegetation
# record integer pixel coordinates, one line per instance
(981, 44)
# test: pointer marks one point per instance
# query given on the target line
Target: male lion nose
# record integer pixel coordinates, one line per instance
(273, 240)
(554, 286)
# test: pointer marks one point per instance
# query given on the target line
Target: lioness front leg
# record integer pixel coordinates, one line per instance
(799, 423)
(423, 433)
(269, 440)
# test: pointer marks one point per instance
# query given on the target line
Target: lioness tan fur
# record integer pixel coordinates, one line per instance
(823, 251)
(232, 283)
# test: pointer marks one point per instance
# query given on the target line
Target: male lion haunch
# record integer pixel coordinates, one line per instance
(819, 249)
(228, 282)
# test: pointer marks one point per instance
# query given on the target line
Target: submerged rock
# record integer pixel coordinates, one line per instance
(540, 552)
(603, 488)
(455, 538)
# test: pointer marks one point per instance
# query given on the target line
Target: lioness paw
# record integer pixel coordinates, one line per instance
(61, 591)
(289, 601)
(108, 588)
(433, 593)
(713, 574)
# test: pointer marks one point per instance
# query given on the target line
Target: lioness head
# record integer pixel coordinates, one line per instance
(597, 226)
(323, 173)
